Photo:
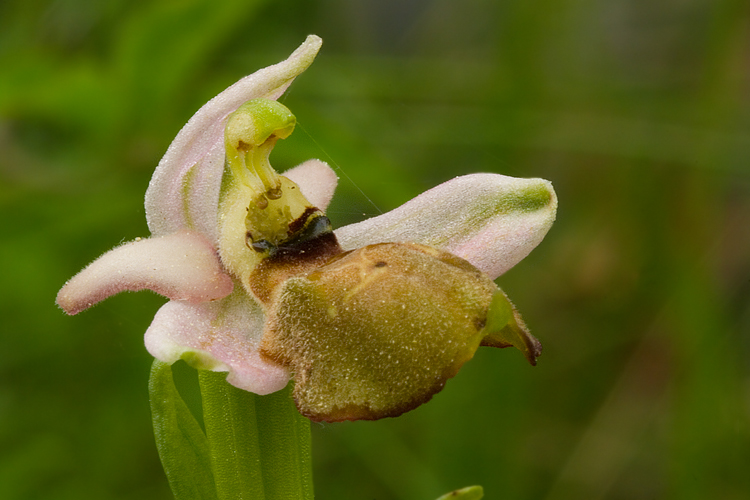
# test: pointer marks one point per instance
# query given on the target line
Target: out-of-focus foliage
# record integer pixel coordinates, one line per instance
(637, 111)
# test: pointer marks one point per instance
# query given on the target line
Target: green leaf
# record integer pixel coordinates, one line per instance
(183, 447)
(468, 493)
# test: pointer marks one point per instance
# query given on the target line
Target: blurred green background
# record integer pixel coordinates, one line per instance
(637, 111)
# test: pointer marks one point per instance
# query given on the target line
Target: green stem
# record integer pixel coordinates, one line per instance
(285, 446)
(229, 417)
(254, 447)
(260, 445)
(183, 448)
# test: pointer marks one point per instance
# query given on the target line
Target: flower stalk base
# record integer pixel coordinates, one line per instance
(254, 447)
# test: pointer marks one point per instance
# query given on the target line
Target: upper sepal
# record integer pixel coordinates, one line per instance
(468, 493)
(184, 190)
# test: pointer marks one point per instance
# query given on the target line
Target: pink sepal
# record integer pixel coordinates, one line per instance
(218, 336)
(180, 266)
(491, 220)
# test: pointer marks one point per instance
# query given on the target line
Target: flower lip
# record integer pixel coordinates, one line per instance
(375, 332)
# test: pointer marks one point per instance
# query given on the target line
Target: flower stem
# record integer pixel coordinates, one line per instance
(285, 445)
(232, 431)
(182, 445)
(260, 445)
(254, 447)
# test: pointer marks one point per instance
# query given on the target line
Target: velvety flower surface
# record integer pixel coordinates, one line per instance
(224, 312)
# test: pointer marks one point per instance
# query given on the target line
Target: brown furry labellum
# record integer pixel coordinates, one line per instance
(376, 332)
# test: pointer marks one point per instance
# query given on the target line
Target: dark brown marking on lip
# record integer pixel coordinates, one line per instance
(299, 223)
(287, 261)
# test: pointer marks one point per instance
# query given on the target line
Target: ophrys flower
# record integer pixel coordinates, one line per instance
(369, 320)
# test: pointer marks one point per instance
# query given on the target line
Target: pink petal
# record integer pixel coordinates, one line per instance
(491, 220)
(218, 336)
(316, 180)
(184, 190)
(181, 266)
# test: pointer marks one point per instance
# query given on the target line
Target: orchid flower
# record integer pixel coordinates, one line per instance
(370, 320)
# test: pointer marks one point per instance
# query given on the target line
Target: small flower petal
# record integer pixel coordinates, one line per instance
(181, 266)
(491, 220)
(193, 165)
(218, 336)
(316, 180)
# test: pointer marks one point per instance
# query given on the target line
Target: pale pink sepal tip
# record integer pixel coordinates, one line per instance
(491, 220)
